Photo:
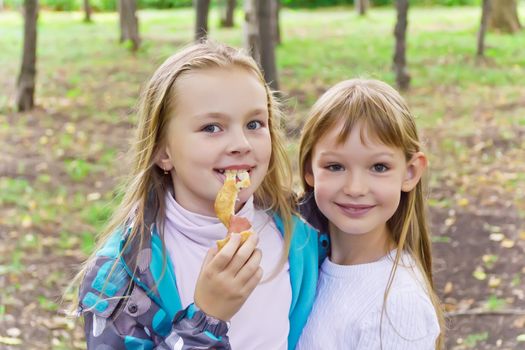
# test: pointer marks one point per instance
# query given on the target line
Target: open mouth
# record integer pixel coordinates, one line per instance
(241, 175)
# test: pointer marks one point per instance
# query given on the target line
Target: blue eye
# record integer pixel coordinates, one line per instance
(334, 167)
(254, 125)
(211, 128)
(380, 168)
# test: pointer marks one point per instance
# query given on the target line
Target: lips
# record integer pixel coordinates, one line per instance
(355, 210)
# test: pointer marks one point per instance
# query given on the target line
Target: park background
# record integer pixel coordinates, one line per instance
(61, 161)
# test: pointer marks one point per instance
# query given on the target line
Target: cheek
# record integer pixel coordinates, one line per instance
(390, 194)
(263, 146)
(324, 190)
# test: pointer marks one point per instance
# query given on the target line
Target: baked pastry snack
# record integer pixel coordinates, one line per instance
(225, 205)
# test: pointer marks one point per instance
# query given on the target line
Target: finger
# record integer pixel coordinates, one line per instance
(224, 256)
(243, 254)
(253, 281)
(249, 268)
(209, 256)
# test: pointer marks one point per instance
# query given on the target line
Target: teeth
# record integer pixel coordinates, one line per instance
(241, 177)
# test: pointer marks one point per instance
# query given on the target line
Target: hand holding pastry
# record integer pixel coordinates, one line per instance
(228, 277)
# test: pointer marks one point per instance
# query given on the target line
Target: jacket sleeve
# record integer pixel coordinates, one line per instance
(119, 315)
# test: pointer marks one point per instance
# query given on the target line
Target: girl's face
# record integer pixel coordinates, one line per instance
(358, 184)
(220, 121)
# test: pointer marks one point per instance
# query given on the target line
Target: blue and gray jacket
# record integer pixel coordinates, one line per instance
(129, 297)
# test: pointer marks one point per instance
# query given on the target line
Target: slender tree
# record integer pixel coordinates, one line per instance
(400, 66)
(129, 23)
(267, 40)
(361, 6)
(87, 11)
(276, 10)
(227, 13)
(485, 13)
(251, 30)
(504, 16)
(202, 8)
(26, 79)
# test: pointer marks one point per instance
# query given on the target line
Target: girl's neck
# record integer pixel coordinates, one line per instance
(352, 249)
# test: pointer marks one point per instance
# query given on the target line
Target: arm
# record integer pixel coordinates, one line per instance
(119, 314)
(191, 329)
(124, 317)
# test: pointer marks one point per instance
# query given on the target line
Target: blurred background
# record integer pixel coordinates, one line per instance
(71, 72)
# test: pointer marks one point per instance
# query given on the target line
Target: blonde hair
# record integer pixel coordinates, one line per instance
(381, 111)
(146, 185)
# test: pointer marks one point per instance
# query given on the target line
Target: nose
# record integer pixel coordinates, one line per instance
(355, 185)
(239, 143)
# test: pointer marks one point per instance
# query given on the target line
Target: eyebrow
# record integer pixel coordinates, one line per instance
(220, 115)
(333, 153)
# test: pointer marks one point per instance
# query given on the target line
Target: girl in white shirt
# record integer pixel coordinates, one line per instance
(361, 166)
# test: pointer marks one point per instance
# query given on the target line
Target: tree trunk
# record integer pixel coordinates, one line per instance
(227, 13)
(402, 75)
(251, 30)
(504, 16)
(276, 9)
(26, 79)
(87, 11)
(361, 6)
(485, 13)
(266, 35)
(202, 8)
(129, 23)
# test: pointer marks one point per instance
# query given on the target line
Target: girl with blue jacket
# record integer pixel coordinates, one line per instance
(154, 282)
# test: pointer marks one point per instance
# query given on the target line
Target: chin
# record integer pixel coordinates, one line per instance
(351, 230)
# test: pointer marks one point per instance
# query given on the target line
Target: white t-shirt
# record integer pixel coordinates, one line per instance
(349, 300)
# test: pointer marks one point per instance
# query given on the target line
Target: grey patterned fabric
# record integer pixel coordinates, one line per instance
(121, 314)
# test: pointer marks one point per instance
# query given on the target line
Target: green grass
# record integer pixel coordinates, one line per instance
(441, 48)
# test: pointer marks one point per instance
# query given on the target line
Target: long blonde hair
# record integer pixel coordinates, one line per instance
(380, 110)
(146, 185)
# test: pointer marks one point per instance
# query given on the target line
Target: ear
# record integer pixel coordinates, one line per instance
(163, 159)
(309, 178)
(308, 173)
(415, 168)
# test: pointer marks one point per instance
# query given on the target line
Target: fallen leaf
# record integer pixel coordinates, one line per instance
(448, 288)
(93, 196)
(463, 202)
(507, 243)
(26, 221)
(10, 341)
(497, 237)
(450, 221)
(494, 282)
(479, 274)
(520, 338)
(519, 322)
(14, 332)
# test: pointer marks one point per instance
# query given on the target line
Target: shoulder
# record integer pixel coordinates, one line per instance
(104, 285)
(106, 280)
